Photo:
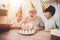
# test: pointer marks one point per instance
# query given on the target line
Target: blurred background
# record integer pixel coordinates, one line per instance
(9, 8)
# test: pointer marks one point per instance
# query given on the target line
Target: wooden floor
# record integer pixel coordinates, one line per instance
(14, 35)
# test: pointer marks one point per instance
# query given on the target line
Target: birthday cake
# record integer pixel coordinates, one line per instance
(26, 31)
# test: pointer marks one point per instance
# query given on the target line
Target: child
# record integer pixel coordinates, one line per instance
(50, 21)
(18, 21)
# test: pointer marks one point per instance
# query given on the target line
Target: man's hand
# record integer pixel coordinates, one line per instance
(36, 29)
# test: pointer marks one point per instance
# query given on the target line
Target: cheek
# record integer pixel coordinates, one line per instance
(31, 14)
(46, 15)
(20, 16)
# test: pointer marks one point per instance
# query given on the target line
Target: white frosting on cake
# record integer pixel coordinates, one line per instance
(26, 31)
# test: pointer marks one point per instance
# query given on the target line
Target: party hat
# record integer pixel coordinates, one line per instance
(31, 4)
(44, 5)
(20, 9)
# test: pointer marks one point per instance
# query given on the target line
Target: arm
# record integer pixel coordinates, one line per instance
(41, 25)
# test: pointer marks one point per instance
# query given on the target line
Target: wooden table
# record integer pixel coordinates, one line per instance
(14, 35)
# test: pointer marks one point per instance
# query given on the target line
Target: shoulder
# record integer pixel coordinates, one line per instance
(26, 17)
(39, 17)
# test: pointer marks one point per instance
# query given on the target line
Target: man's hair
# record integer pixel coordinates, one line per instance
(50, 9)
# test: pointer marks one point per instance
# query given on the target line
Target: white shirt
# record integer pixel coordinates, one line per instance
(15, 23)
(49, 23)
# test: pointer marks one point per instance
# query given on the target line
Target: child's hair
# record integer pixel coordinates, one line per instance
(18, 13)
(50, 9)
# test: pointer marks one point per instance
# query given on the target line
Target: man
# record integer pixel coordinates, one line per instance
(50, 22)
(35, 21)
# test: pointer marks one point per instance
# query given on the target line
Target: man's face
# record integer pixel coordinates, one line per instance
(47, 15)
(32, 13)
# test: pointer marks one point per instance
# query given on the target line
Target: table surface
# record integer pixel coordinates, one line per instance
(14, 35)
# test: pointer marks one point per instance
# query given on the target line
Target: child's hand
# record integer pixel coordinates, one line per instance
(24, 27)
(47, 30)
(29, 28)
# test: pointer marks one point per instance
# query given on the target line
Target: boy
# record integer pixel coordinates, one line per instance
(50, 21)
(18, 21)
